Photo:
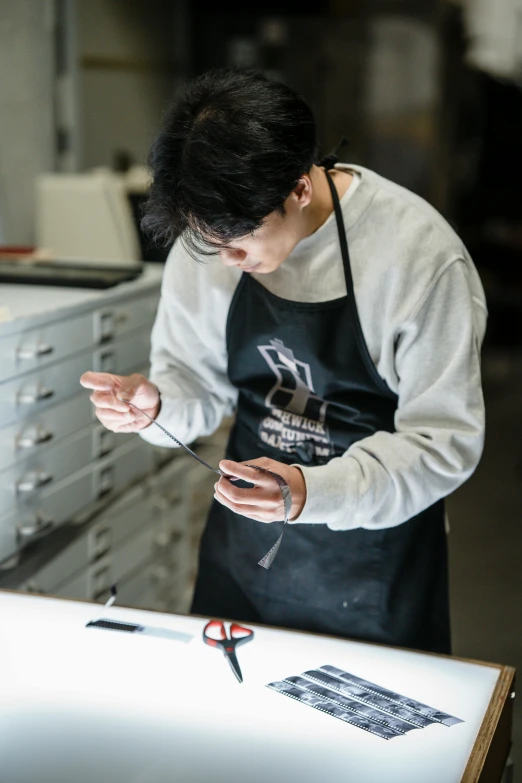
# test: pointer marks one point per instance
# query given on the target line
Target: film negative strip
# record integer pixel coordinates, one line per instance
(418, 707)
(397, 724)
(365, 704)
(332, 709)
(394, 709)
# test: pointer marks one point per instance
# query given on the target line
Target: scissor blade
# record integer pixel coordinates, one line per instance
(234, 665)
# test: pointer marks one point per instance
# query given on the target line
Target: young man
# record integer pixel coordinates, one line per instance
(342, 318)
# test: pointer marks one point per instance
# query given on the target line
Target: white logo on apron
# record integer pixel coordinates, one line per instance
(296, 413)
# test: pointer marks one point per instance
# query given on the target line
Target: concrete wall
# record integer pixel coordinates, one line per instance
(26, 110)
(128, 69)
(125, 59)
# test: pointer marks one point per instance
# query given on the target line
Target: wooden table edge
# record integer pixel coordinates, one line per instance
(493, 741)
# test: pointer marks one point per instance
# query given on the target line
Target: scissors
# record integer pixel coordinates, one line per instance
(215, 635)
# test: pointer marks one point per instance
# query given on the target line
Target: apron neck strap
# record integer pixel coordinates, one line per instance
(343, 242)
(329, 161)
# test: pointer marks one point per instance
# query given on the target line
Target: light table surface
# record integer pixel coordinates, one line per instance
(81, 704)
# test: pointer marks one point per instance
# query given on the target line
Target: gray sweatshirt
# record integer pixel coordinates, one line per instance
(423, 316)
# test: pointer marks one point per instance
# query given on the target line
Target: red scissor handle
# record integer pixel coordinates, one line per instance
(214, 633)
(240, 634)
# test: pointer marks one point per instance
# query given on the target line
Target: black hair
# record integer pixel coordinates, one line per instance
(230, 151)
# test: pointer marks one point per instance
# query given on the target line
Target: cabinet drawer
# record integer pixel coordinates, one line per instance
(124, 356)
(43, 345)
(126, 517)
(53, 506)
(73, 560)
(64, 501)
(36, 391)
(40, 431)
(180, 602)
(48, 343)
(170, 583)
(94, 581)
(8, 536)
(120, 318)
(126, 464)
(185, 491)
(169, 482)
(138, 591)
(29, 476)
(132, 552)
(152, 587)
(149, 584)
(40, 390)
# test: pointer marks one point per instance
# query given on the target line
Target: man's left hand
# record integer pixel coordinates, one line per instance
(262, 502)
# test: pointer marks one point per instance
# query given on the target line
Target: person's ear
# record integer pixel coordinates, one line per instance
(302, 193)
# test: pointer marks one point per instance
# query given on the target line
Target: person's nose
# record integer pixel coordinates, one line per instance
(232, 256)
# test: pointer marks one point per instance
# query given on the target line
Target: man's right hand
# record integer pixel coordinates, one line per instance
(115, 415)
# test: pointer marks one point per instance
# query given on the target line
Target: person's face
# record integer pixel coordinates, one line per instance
(266, 249)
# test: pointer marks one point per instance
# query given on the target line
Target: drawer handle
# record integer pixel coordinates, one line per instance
(106, 442)
(32, 587)
(161, 540)
(106, 327)
(106, 363)
(30, 484)
(101, 580)
(28, 442)
(106, 482)
(102, 541)
(34, 351)
(40, 523)
(42, 393)
(104, 572)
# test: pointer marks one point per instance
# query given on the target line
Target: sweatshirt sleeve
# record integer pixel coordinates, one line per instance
(387, 478)
(188, 349)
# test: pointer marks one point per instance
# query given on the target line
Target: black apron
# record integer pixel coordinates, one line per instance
(308, 389)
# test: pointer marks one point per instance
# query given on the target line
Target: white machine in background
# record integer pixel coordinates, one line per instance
(86, 218)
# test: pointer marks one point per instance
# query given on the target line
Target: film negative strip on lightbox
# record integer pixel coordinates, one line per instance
(365, 704)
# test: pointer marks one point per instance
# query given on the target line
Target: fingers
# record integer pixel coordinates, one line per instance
(108, 397)
(109, 401)
(116, 422)
(265, 495)
(100, 381)
(264, 509)
(261, 503)
(127, 421)
(234, 494)
(241, 471)
(120, 386)
(108, 416)
(127, 428)
(106, 388)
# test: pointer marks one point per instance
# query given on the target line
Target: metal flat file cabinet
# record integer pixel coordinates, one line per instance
(81, 507)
